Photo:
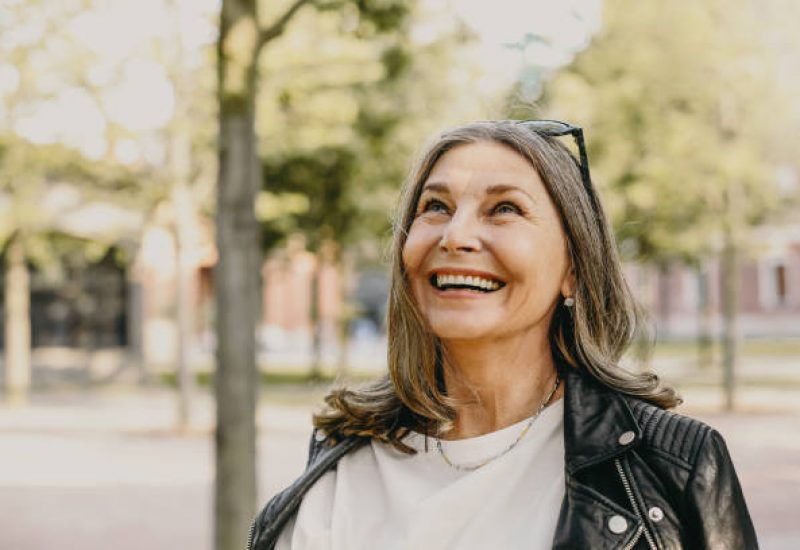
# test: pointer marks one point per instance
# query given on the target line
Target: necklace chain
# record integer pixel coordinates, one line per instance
(473, 467)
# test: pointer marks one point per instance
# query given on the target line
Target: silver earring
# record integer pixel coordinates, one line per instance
(569, 301)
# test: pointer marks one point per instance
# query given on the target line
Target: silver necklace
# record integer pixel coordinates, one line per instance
(473, 467)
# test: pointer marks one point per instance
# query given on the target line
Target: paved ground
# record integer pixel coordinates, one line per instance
(106, 469)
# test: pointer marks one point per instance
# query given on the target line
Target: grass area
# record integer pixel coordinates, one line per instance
(776, 382)
(278, 379)
(289, 387)
(756, 348)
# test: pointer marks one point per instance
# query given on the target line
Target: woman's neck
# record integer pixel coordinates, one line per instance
(498, 383)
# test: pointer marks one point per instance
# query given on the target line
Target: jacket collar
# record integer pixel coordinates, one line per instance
(598, 422)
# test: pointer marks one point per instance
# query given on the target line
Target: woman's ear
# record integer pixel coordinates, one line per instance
(569, 285)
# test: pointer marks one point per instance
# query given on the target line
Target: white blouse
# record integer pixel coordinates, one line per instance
(378, 497)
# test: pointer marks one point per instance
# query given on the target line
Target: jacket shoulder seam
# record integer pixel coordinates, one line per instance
(672, 436)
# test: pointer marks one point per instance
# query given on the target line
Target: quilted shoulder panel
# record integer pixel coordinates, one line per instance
(679, 436)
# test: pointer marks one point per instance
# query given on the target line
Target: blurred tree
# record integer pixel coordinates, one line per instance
(54, 50)
(243, 36)
(189, 139)
(319, 180)
(345, 112)
(29, 174)
(53, 54)
(678, 102)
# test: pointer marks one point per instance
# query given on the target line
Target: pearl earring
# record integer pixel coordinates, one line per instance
(569, 301)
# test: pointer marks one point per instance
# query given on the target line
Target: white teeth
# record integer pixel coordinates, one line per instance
(469, 280)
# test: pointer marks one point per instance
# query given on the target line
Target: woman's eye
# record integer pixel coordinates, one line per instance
(507, 208)
(434, 205)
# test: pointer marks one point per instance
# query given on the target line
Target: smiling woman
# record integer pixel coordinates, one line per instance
(484, 211)
(505, 420)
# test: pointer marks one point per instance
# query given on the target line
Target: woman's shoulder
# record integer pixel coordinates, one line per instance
(323, 454)
(676, 437)
(328, 450)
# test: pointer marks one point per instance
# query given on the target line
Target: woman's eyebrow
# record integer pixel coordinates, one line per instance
(500, 188)
(436, 187)
(496, 189)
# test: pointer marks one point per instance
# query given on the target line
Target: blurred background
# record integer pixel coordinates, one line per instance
(177, 176)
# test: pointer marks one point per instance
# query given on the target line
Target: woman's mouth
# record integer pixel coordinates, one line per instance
(476, 283)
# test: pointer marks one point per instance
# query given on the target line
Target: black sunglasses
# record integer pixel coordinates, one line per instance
(556, 128)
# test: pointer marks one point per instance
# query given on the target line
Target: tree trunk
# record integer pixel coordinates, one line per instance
(236, 285)
(134, 314)
(346, 313)
(642, 345)
(664, 301)
(315, 372)
(18, 324)
(705, 349)
(184, 278)
(236, 276)
(180, 158)
(730, 310)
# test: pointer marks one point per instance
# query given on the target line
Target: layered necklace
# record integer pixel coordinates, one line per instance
(525, 430)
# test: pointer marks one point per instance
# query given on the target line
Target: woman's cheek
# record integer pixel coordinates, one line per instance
(413, 250)
(408, 264)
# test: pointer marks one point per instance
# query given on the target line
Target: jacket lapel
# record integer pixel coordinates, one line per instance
(598, 423)
(598, 426)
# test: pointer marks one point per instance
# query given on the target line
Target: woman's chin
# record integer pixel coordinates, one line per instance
(461, 331)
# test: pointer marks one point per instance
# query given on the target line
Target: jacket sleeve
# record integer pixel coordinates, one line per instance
(270, 511)
(718, 516)
(315, 445)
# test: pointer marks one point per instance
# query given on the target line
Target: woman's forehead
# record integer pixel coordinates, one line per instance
(485, 167)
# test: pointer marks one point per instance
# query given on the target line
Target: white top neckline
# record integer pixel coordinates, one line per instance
(471, 450)
(379, 497)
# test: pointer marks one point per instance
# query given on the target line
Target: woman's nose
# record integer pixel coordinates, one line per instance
(461, 234)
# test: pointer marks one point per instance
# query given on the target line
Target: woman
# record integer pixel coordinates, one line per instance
(505, 421)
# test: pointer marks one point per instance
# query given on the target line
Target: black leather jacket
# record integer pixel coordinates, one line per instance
(637, 477)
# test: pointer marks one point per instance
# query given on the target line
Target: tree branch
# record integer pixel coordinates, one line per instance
(276, 29)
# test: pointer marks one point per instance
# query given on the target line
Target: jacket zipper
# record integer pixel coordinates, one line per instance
(642, 529)
(250, 535)
(635, 539)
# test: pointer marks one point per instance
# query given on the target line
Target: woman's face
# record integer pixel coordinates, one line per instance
(486, 256)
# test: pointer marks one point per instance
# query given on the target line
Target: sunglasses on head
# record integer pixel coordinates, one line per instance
(556, 128)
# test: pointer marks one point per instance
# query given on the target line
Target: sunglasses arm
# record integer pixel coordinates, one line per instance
(587, 181)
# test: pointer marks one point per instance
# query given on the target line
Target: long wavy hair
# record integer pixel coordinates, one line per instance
(591, 336)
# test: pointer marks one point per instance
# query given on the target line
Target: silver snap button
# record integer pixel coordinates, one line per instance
(617, 524)
(655, 513)
(320, 436)
(626, 438)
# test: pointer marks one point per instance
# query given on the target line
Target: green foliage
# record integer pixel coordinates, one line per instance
(23, 164)
(678, 103)
(43, 43)
(368, 18)
(29, 173)
(340, 113)
(323, 176)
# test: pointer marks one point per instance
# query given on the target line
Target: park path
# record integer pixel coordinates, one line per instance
(105, 469)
